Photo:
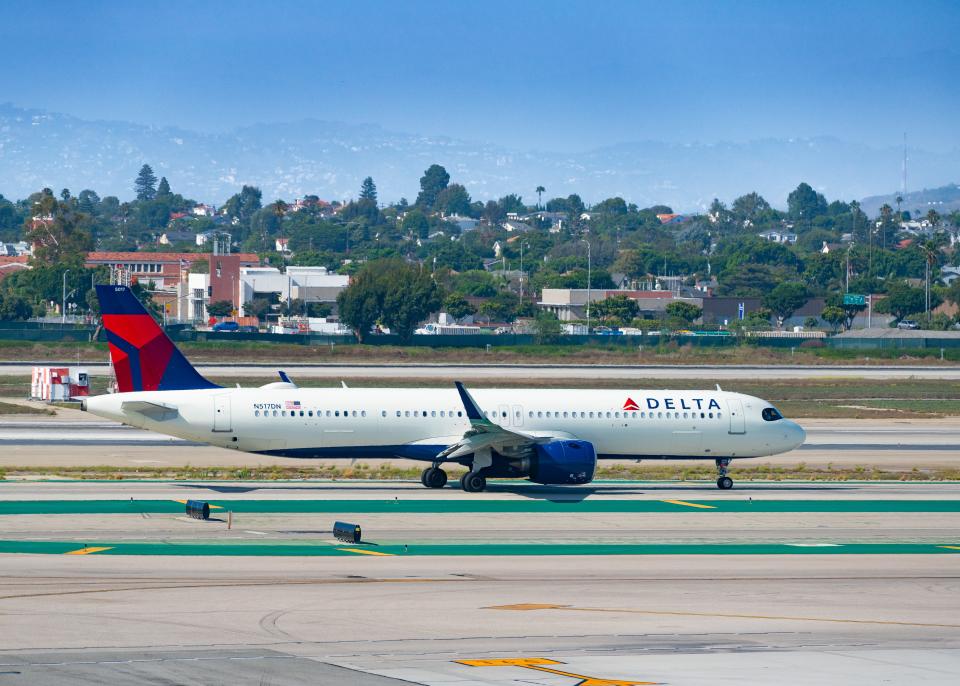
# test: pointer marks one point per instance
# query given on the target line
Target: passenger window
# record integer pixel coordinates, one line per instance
(398, 413)
(406, 413)
(539, 414)
(459, 413)
(283, 413)
(363, 413)
(309, 413)
(710, 415)
(256, 413)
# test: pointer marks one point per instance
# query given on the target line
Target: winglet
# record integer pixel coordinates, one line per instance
(469, 404)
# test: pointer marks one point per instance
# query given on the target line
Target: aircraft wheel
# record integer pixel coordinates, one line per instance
(471, 482)
(423, 476)
(724, 483)
(434, 477)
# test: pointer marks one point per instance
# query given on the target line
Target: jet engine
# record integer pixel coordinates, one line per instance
(563, 462)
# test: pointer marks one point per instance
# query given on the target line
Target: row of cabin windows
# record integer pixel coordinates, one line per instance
(539, 414)
(624, 415)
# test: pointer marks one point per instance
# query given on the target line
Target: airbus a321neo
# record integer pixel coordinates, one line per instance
(548, 436)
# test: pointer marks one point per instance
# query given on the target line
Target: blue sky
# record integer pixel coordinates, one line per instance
(548, 75)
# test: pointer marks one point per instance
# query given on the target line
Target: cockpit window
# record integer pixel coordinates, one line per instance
(771, 414)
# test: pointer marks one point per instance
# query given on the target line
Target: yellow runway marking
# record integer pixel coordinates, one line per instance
(951, 547)
(542, 664)
(571, 608)
(684, 502)
(88, 551)
(365, 552)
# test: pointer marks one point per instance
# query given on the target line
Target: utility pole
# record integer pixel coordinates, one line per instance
(589, 266)
(521, 272)
(63, 300)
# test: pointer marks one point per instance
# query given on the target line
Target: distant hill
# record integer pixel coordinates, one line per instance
(944, 200)
(330, 159)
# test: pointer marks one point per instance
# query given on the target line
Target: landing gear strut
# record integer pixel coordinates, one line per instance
(724, 482)
(472, 482)
(433, 477)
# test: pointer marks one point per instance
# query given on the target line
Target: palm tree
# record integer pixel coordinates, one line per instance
(540, 191)
(931, 250)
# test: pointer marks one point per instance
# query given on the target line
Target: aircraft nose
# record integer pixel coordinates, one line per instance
(796, 435)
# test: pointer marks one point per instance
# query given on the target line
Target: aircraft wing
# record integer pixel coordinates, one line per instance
(484, 433)
(156, 411)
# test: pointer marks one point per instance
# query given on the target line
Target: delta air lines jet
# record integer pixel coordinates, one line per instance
(548, 436)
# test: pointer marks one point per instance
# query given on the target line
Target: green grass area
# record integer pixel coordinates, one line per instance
(692, 472)
(323, 549)
(14, 408)
(632, 350)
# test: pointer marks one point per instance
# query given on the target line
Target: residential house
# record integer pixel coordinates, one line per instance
(171, 237)
(779, 236)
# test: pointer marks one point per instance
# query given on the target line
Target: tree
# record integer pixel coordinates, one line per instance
(361, 303)
(258, 307)
(434, 180)
(453, 199)
(145, 184)
(902, 300)
(547, 328)
(457, 306)
(750, 207)
(540, 190)
(785, 299)
(244, 204)
(688, 312)
(617, 309)
(410, 297)
(220, 308)
(62, 238)
(368, 189)
(804, 203)
(834, 316)
(416, 224)
(163, 189)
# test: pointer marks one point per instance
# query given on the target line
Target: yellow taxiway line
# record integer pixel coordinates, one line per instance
(88, 551)
(686, 504)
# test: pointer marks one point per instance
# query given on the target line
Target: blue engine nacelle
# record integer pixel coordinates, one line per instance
(563, 462)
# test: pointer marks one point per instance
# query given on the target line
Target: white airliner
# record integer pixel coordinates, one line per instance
(548, 436)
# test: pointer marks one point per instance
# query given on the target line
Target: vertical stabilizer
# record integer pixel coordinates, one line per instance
(143, 356)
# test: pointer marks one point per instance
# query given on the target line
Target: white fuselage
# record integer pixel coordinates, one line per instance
(281, 419)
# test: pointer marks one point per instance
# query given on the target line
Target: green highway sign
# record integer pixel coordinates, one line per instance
(854, 299)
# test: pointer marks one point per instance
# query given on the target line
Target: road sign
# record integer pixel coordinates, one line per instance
(854, 299)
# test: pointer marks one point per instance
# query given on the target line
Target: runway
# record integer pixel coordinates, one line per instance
(472, 372)
(621, 582)
(77, 439)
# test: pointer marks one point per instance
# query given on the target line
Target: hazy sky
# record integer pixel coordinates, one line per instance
(549, 75)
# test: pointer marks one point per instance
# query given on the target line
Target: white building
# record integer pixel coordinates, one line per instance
(311, 284)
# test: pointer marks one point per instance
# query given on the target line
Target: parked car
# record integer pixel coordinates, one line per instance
(908, 324)
(226, 326)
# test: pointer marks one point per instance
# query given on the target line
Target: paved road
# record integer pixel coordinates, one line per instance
(518, 372)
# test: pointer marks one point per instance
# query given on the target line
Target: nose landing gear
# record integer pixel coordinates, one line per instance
(724, 482)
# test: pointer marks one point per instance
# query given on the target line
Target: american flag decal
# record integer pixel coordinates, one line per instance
(293, 405)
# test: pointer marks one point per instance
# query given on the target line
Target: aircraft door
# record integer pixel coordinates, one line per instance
(517, 415)
(221, 413)
(735, 410)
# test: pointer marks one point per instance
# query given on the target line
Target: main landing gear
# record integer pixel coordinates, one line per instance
(433, 477)
(472, 482)
(724, 482)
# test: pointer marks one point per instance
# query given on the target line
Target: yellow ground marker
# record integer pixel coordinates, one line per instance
(669, 613)
(365, 552)
(212, 507)
(951, 547)
(542, 664)
(684, 502)
(88, 551)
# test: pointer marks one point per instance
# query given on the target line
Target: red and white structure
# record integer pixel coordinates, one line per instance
(59, 383)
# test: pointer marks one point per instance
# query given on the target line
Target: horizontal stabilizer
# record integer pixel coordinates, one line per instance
(157, 411)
